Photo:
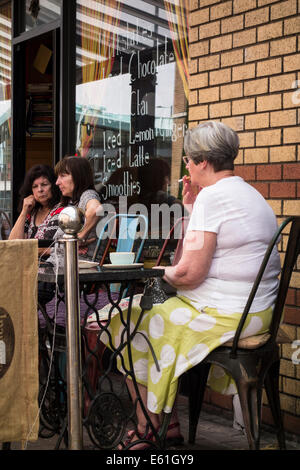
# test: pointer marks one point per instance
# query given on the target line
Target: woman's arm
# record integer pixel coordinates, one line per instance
(193, 267)
(17, 232)
(91, 219)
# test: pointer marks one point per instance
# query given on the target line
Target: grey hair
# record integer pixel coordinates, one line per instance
(212, 141)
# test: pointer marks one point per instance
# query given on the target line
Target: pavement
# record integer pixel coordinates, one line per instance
(214, 433)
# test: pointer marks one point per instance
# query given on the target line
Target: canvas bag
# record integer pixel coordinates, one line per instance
(19, 381)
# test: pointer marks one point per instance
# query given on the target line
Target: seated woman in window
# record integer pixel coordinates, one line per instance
(39, 206)
(229, 230)
(75, 180)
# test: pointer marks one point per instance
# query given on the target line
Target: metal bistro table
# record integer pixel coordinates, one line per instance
(106, 409)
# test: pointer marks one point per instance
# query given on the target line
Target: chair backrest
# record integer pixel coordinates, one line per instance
(291, 255)
(182, 224)
(128, 226)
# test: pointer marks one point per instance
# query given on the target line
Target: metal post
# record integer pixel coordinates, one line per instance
(71, 221)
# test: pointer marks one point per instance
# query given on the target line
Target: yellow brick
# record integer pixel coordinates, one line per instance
(265, 103)
(283, 118)
(284, 153)
(236, 123)
(193, 35)
(219, 110)
(239, 160)
(220, 76)
(276, 205)
(291, 62)
(258, 16)
(283, 46)
(232, 24)
(234, 90)
(193, 97)
(243, 5)
(287, 368)
(291, 208)
(259, 155)
(295, 279)
(244, 37)
(198, 49)
(287, 8)
(265, 2)
(282, 82)
(269, 67)
(269, 31)
(290, 100)
(193, 66)
(208, 95)
(208, 63)
(270, 137)
(198, 81)
(287, 402)
(246, 139)
(292, 25)
(199, 17)
(221, 10)
(261, 51)
(242, 72)
(232, 58)
(256, 87)
(244, 106)
(220, 44)
(204, 3)
(198, 112)
(257, 121)
(291, 135)
(290, 386)
(210, 29)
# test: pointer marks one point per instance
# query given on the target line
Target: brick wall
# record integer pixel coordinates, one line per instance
(244, 67)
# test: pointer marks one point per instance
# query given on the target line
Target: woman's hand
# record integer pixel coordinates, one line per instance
(189, 193)
(28, 203)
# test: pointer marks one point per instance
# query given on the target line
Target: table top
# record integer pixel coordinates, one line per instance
(48, 274)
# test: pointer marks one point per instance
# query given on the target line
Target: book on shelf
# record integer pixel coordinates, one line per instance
(39, 114)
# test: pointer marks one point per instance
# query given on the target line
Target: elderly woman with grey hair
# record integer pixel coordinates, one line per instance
(229, 230)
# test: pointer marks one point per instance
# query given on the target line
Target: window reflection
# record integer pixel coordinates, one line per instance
(41, 12)
(131, 95)
(5, 108)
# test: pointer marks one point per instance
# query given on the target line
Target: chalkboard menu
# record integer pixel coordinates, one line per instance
(131, 97)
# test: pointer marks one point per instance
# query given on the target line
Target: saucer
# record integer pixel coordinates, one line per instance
(123, 266)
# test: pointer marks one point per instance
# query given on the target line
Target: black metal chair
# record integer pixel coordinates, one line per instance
(252, 362)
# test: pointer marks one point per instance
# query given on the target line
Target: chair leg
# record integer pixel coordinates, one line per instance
(250, 398)
(272, 390)
(197, 383)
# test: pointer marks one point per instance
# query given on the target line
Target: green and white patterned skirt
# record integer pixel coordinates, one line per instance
(182, 337)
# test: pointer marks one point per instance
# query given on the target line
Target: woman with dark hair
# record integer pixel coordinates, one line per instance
(39, 206)
(75, 180)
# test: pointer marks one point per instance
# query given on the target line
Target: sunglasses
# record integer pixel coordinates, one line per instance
(186, 160)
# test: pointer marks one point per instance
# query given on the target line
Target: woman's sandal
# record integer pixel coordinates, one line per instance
(170, 441)
(140, 445)
(174, 440)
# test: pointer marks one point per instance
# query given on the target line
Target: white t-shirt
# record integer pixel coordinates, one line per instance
(244, 223)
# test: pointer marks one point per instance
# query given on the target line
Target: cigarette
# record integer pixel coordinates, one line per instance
(188, 178)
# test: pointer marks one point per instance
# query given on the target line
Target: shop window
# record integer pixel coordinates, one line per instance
(5, 108)
(131, 96)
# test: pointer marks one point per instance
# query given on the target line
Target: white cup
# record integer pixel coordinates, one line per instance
(120, 257)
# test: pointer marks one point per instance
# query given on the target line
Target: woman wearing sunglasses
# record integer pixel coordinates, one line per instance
(229, 230)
